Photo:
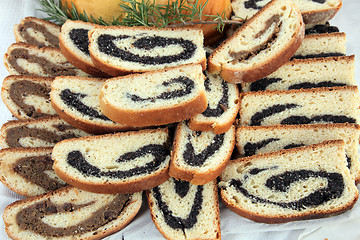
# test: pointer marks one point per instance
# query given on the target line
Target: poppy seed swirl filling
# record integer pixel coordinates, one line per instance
(108, 45)
(221, 105)
(74, 101)
(283, 182)
(179, 222)
(187, 85)
(159, 152)
(79, 37)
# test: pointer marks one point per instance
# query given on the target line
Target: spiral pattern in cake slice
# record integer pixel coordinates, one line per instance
(122, 50)
(69, 213)
(223, 105)
(295, 184)
(41, 132)
(27, 97)
(114, 163)
(200, 157)
(300, 106)
(181, 210)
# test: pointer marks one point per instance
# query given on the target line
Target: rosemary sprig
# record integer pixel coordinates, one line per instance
(143, 13)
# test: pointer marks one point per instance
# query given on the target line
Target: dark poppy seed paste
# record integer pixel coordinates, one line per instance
(252, 4)
(187, 87)
(178, 222)
(320, 55)
(221, 105)
(282, 182)
(73, 100)
(251, 148)
(262, 84)
(33, 169)
(321, 28)
(77, 160)
(20, 89)
(258, 117)
(14, 135)
(294, 120)
(181, 187)
(30, 218)
(106, 44)
(316, 85)
(79, 37)
(199, 159)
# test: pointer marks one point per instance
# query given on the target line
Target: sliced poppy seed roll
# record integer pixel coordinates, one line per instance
(308, 73)
(261, 45)
(200, 157)
(27, 59)
(70, 214)
(76, 100)
(181, 210)
(27, 97)
(223, 106)
(28, 171)
(41, 132)
(300, 106)
(313, 11)
(115, 163)
(74, 44)
(37, 32)
(295, 184)
(155, 98)
(123, 50)
(252, 140)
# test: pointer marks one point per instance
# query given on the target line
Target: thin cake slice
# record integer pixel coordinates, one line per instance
(322, 45)
(300, 106)
(155, 98)
(295, 184)
(308, 73)
(37, 32)
(23, 58)
(261, 45)
(27, 97)
(76, 100)
(123, 50)
(28, 171)
(114, 163)
(70, 214)
(41, 132)
(182, 211)
(223, 106)
(74, 44)
(200, 157)
(252, 140)
(313, 11)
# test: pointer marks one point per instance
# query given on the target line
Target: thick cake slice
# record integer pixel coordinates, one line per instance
(27, 97)
(74, 44)
(28, 171)
(200, 157)
(37, 32)
(300, 106)
(308, 73)
(76, 100)
(294, 184)
(123, 50)
(70, 214)
(182, 211)
(155, 98)
(114, 163)
(223, 106)
(42, 132)
(27, 59)
(261, 139)
(313, 11)
(261, 45)
(322, 45)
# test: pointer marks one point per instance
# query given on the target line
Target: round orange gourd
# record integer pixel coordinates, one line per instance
(110, 9)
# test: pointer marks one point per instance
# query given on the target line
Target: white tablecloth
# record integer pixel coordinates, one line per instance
(345, 226)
